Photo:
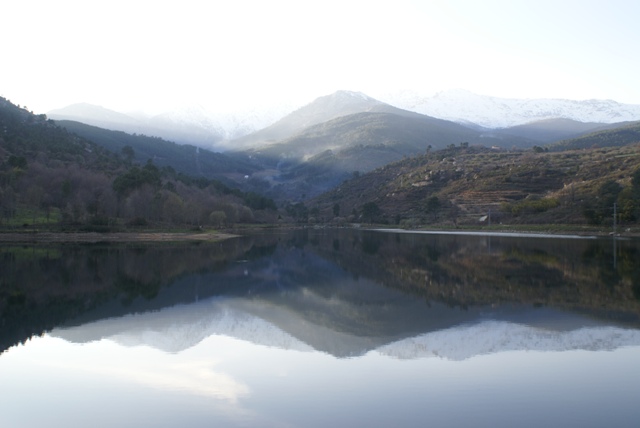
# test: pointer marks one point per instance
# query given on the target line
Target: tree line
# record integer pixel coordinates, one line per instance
(614, 199)
(49, 176)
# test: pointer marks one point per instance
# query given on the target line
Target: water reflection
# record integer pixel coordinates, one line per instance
(341, 292)
(323, 327)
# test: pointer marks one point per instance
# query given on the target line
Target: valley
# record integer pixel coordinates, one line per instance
(343, 158)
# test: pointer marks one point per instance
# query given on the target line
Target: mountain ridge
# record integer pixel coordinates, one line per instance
(555, 129)
(315, 158)
(184, 158)
(495, 112)
(322, 109)
(626, 134)
(240, 129)
(322, 155)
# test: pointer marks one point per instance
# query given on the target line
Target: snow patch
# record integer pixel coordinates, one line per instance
(489, 337)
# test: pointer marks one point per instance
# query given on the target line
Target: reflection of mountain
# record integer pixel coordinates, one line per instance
(490, 337)
(46, 285)
(180, 327)
(263, 323)
(343, 292)
(292, 294)
(294, 299)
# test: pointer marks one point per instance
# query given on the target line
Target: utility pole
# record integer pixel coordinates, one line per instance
(615, 216)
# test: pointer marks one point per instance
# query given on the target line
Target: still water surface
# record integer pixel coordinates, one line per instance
(322, 328)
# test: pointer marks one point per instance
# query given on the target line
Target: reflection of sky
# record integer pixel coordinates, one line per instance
(228, 382)
(273, 352)
(135, 377)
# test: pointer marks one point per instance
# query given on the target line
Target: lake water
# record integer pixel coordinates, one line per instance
(317, 328)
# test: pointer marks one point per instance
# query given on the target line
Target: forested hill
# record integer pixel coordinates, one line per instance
(186, 158)
(474, 186)
(52, 178)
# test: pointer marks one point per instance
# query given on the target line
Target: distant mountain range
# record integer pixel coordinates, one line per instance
(184, 158)
(189, 125)
(241, 129)
(319, 145)
(493, 112)
(551, 130)
(180, 131)
(627, 134)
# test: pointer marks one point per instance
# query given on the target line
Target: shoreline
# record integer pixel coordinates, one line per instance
(95, 237)
(513, 234)
(34, 237)
(550, 230)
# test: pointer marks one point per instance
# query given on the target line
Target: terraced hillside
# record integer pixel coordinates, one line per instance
(472, 185)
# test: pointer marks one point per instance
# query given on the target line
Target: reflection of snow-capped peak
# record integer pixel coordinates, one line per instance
(181, 327)
(462, 342)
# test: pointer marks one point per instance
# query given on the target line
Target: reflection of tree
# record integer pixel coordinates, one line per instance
(466, 271)
(630, 269)
(371, 244)
(258, 251)
(22, 318)
(42, 287)
(601, 258)
(134, 288)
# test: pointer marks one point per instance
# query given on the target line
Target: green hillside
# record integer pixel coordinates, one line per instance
(51, 178)
(464, 185)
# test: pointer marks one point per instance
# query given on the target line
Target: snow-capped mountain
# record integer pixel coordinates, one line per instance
(98, 116)
(193, 127)
(221, 125)
(191, 124)
(492, 112)
(221, 129)
(320, 110)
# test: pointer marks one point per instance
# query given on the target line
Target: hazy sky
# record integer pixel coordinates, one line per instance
(149, 55)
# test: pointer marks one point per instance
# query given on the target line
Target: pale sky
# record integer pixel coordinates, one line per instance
(152, 55)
